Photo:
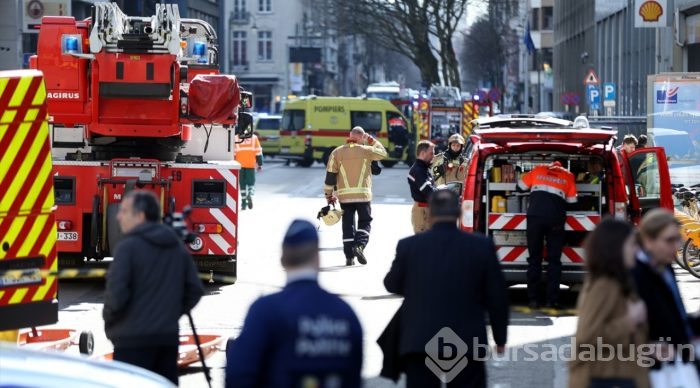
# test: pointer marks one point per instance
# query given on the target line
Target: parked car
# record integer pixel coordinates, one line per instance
(31, 368)
(267, 127)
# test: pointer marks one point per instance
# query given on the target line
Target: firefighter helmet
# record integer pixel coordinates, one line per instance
(329, 216)
(456, 138)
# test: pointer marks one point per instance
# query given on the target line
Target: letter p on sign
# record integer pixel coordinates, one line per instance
(609, 94)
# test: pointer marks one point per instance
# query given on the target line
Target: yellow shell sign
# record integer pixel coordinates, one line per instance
(651, 11)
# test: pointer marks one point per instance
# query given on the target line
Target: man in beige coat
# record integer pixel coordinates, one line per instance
(349, 181)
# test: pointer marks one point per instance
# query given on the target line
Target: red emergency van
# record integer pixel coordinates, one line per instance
(504, 147)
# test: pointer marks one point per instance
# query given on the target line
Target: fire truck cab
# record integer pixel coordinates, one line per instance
(504, 147)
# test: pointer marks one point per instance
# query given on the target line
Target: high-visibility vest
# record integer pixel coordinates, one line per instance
(247, 151)
(553, 179)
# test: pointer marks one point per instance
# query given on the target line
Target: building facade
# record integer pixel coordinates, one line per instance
(279, 48)
(600, 35)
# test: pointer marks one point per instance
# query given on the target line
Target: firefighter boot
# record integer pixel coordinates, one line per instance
(360, 254)
(350, 261)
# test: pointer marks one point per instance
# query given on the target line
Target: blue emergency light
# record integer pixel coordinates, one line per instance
(71, 44)
(199, 49)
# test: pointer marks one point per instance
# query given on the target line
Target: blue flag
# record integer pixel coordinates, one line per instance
(527, 39)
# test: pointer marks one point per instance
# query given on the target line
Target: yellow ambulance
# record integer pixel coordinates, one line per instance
(313, 126)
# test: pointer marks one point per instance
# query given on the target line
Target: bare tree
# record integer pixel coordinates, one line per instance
(409, 27)
(446, 15)
(483, 53)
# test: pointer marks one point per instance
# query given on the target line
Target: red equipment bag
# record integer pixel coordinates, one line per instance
(214, 98)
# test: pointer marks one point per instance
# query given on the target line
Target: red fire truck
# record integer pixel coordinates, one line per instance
(504, 147)
(138, 103)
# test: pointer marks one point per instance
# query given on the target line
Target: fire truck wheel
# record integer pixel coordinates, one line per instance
(389, 163)
(86, 343)
(305, 162)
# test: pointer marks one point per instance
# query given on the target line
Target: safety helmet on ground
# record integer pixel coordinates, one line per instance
(456, 138)
(330, 216)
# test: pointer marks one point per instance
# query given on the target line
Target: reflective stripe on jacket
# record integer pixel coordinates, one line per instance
(553, 179)
(349, 171)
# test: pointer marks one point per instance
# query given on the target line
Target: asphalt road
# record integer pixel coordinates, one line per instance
(285, 193)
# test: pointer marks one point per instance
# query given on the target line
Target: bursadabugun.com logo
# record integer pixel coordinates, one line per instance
(447, 353)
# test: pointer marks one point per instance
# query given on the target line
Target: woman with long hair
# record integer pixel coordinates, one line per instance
(610, 312)
(670, 326)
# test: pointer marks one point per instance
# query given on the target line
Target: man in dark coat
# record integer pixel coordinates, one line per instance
(449, 280)
(302, 336)
(150, 285)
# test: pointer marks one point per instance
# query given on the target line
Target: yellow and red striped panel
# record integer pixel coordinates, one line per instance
(470, 112)
(27, 221)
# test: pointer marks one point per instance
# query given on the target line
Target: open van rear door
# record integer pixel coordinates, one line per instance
(648, 180)
(586, 137)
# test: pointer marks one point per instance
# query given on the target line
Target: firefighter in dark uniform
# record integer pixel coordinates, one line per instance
(551, 188)
(421, 183)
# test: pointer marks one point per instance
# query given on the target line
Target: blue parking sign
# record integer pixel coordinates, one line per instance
(609, 94)
(593, 93)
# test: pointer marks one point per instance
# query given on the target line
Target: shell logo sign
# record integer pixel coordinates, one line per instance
(650, 13)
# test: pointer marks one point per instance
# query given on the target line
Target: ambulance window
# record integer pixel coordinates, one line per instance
(370, 121)
(645, 171)
(293, 119)
(64, 190)
(398, 130)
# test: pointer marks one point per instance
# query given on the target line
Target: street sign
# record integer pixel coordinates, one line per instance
(494, 94)
(593, 93)
(595, 106)
(591, 78)
(651, 13)
(609, 94)
(565, 99)
(575, 99)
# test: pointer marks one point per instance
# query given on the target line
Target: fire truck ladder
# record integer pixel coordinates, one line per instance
(113, 31)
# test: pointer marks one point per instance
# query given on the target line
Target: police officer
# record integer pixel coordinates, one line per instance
(349, 181)
(451, 165)
(302, 336)
(421, 183)
(551, 188)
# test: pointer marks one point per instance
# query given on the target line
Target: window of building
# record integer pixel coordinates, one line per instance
(370, 121)
(535, 19)
(239, 9)
(547, 18)
(264, 45)
(239, 51)
(265, 5)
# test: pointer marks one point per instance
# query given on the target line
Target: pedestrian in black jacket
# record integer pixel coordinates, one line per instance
(449, 279)
(669, 323)
(150, 285)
